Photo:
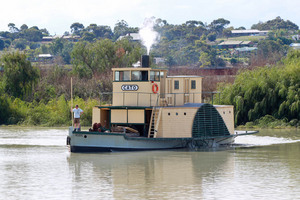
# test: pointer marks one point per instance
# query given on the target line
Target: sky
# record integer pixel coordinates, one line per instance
(58, 15)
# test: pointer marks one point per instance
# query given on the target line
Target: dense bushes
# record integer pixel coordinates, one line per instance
(270, 90)
(54, 113)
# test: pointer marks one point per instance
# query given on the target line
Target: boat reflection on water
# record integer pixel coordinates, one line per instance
(151, 174)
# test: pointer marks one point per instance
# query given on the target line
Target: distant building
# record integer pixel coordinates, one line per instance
(44, 58)
(296, 37)
(132, 36)
(251, 32)
(245, 49)
(71, 38)
(159, 60)
(230, 44)
(295, 45)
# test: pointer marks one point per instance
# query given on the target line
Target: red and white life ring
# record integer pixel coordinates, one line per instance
(154, 88)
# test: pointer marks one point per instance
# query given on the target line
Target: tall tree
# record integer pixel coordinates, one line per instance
(12, 28)
(218, 25)
(19, 75)
(23, 27)
(100, 31)
(76, 28)
(275, 24)
(121, 28)
(2, 45)
(33, 35)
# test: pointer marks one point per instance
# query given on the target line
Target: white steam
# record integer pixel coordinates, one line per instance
(147, 34)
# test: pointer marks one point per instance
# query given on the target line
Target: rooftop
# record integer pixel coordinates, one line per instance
(254, 31)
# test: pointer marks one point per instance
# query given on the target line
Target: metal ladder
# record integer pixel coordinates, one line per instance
(154, 121)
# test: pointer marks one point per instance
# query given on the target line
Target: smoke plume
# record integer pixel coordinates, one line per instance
(147, 34)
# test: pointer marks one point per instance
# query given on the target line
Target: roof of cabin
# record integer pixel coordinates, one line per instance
(184, 76)
(137, 69)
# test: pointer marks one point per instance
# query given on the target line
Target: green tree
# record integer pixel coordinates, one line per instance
(205, 59)
(212, 36)
(275, 24)
(33, 35)
(23, 27)
(218, 25)
(20, 44)
(121, 28)
(100, 31)
(88, 36)
(19, 75)
(266, 91)
(6, 112)
(2, 45)
(57, 46)
(101, 55)
(76, 28)
(12, 28)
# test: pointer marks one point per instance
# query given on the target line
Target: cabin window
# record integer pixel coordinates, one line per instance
(154, 76)
(122, 75)
(139, 75)
(193, 84)
(162, 74)
(136, 75)
(126, 76)
(117, 76)
(176, 85)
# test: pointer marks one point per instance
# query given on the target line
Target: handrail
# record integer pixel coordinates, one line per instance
(151, 99)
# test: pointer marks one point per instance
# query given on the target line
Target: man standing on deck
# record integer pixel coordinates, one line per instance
(77, 112)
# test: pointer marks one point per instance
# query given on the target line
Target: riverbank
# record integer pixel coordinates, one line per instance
(271, 122)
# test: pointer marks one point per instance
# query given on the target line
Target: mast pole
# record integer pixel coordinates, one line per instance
(72, 101)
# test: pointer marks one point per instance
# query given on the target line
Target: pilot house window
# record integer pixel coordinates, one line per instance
(154, 76)
(139, 75)
(122, 75)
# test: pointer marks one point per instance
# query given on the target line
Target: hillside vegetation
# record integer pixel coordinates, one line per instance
(269, 94)
(35, 91)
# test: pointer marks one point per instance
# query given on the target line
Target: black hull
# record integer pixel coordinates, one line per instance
(80, 149)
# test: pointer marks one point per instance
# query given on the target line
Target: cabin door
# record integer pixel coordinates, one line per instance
(186, 90)
(169, 95)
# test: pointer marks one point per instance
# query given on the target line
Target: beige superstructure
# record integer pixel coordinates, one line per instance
(153, 103)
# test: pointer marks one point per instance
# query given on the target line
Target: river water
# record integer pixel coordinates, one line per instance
(36, 164)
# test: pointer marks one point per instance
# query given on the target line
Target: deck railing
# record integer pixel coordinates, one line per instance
(151, 99)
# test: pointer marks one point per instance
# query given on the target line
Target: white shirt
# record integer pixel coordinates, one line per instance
(77, 112)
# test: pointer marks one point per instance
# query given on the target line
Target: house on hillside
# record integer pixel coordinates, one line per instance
(71, 38)
(44, 58)
(296, 37)
(159, 60)
(132, 36)
(295, 45)
(251, 32)
(231, 44)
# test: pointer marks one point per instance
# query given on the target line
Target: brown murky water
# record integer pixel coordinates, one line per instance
(36, 164)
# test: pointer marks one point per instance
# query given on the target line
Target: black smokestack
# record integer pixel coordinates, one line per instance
(145, 61)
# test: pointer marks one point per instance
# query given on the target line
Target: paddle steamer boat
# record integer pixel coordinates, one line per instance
(150, 110)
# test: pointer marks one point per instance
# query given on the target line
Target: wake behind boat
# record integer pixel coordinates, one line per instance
(153, 111)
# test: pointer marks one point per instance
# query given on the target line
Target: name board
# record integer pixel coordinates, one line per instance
(130, 87)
